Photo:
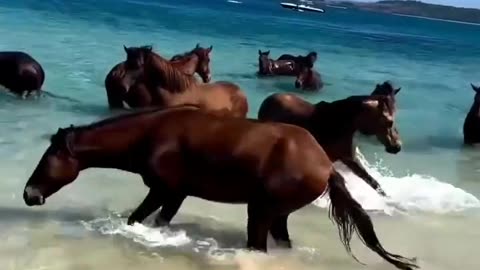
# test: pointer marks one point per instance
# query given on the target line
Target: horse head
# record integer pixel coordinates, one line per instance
(57, 168)
(137, 56)
(264, 62)
(377, 117)
(203, 67)
(385, 89)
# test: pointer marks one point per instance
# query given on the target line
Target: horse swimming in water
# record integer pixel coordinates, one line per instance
(20, 73)
(274, 168)
(268, 66)
(308, 79)
(128, 73)
(334, 124)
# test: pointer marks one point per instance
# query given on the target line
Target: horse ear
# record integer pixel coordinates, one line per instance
(210, 48)
(397, 90)
(125, 49)
(259, 52)
(267, 52)
(475, 88)
(197, 46)
(371, 103)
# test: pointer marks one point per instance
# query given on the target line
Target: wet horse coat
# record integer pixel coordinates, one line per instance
(20, 73)
(334, 124)
(129, 73)
(471, 125)
(274, 168)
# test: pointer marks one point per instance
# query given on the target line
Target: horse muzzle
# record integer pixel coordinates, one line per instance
(32, 196)
(393, 149)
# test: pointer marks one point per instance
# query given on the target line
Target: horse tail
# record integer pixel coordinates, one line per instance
(350, 217)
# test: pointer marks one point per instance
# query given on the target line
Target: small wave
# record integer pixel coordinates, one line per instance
(409, 193)
(234, 2)
(151, 237)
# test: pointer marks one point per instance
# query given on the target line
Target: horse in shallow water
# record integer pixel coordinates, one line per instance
(311, 57)
(334, 124)
(308, 79)
(20, 73)
(202, 56)
(268, 66)
(129, 73)
(274, 168)
(164, 85)
(471, 125)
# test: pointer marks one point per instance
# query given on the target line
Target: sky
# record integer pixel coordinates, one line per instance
(458, 3)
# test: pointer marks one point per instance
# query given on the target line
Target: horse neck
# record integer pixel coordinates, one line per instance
(475, 109)
(332, 121)
(111, 145)
(188, 65)
(167, 76)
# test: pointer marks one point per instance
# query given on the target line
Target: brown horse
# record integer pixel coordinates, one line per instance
(126, 74)
(310, 57)
(20, 73)
(334, 124)
(274, 168)
(471, 125)
(309, 79)
(202, 58)
(164, 85)
(268, 66)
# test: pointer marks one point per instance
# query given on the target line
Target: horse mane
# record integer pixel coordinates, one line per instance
(173, 78)
(63, 135)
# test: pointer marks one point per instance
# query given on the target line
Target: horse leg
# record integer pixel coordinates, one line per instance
(151, 203)
(279, 231)
(169, 210)
(259, 222)
(363, 174)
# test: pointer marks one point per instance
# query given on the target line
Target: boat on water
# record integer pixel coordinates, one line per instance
(301, 7)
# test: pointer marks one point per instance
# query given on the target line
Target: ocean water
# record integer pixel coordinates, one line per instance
(434, 209)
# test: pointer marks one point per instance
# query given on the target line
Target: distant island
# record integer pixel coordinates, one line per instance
(413, 8)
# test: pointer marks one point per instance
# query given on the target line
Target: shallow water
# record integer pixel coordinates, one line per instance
(433, 210)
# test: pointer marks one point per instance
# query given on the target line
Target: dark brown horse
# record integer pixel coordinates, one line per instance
(310, 57)
(164, 85)
(309, 79)
(130, 72)
(202, 56)
(274, 168)
(20, 73)
(471, 126)
(334, 124)
(268, 66)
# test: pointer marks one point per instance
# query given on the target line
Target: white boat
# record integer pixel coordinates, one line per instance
(301, 7)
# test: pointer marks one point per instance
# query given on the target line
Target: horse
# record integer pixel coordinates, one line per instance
(202, 56)
(274, 168)
(334, 124)
(125, 74)
(385, 89)
(268, 66)
(20, 73)
(164, 85)
(471, 125)
(311, 57)
(308, 79)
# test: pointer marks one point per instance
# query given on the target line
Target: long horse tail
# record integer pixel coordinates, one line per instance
(350, 217)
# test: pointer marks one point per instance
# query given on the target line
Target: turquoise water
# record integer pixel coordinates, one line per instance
(433, 181)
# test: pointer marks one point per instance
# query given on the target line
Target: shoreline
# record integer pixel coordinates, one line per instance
(435, 19)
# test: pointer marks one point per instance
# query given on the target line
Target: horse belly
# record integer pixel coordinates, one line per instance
(222, 186)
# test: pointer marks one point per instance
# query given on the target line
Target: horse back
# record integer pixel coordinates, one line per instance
(229, 159)
(286, 108)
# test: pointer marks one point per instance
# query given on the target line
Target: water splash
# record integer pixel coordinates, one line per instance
(409, 193)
